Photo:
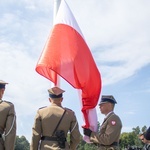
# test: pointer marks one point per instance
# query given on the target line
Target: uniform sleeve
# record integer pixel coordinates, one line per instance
(36, 132)
(10, 130)
(74, 133)
(109, 133)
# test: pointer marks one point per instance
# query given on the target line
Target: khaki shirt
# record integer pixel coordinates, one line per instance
(45, 122)
(110, 131)
(7, 125)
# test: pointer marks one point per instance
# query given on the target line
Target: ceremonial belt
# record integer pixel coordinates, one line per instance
(113, 144)
(50, 138)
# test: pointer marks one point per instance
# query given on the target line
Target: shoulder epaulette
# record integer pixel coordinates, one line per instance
(68, 109)
(7, 102)
(42, 107)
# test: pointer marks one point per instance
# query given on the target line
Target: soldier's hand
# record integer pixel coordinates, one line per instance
(87, 132)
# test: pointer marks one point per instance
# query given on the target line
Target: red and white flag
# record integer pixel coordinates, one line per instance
(66, 54)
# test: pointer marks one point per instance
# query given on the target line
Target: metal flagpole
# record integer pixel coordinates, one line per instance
(56, 7)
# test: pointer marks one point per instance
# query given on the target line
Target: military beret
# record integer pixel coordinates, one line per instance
(55, 92)
(107, 99)
(2, 84)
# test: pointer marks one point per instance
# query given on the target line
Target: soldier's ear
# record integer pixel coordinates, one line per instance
(61, 99)
(50, 100)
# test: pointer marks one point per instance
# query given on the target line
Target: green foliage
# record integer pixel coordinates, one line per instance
(90, 147)
(124, 142)
(127, 139)
(144, 129)
(136, 130)
(131, 138)
(85, 146)
(22, 143)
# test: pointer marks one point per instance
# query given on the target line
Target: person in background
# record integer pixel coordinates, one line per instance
(146, 142)
(52, 124)
(110, 130)
(7, 121)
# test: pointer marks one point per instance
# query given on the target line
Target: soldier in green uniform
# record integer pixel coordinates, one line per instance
(7, 122)
(110, 129)
(47, 118)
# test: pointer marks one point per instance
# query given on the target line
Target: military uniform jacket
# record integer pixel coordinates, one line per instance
(45, 122)
(110, 131)
(7, 125)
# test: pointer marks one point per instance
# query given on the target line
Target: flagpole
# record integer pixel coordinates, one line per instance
(56, 7)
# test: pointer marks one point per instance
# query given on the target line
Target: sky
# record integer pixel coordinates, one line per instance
(118, 35)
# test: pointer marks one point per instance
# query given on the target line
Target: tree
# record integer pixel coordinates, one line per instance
(144, 129)
(131, 138)
(136, 130)
(124, 142)
(22, 143)
(86, 146)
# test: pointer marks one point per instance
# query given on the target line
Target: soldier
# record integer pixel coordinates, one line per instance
(7, 122)
(110, 130)
(55, 118)
(146, 142)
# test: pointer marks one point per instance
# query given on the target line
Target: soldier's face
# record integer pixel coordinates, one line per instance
(142, 139)
(105, 108)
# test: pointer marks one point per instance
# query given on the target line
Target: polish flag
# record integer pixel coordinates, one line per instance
(66, 54)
